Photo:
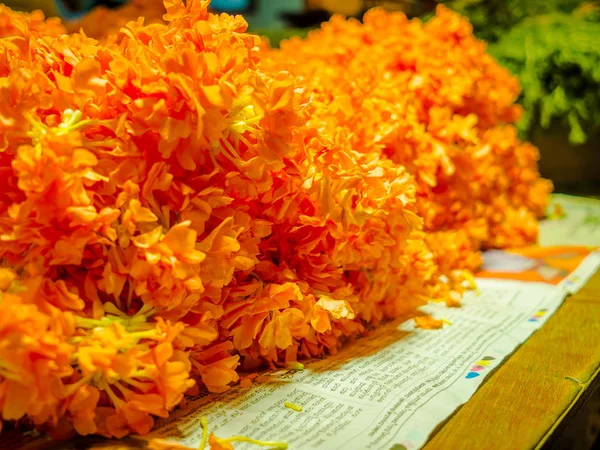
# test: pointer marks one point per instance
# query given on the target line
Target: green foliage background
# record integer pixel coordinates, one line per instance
(557, 58)
(491, 19)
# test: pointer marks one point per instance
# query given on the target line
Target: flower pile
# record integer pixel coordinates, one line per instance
(14, 23)
(104, 23)
(428, 97)
(174, 211)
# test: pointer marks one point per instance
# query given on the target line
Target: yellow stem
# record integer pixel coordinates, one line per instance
(37, 125)
(279, 445)
(141, 374)
(295, 365)
(84, 123)
(137, 384)
(293, 406)
(116, 400)
(70, 389)
(84, 322)
(204, 425)
(230, 156)
(245, 141)
(149, 334)
(213, 159)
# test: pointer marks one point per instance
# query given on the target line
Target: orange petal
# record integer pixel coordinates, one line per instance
(149, 239)
(428, 323)
(339, 309)
(17, 400)
(7, 276)
(320, 319)
(213, 96)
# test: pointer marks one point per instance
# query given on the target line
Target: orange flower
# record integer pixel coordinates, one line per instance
(34, 354)
(177, 204)
(102, 22)
(135, 366)
(431, 99)
(12, 23)
(216, 366)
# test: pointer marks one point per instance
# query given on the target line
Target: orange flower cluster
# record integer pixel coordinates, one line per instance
(174, 211)
(103, 23)
(428, 97)
(14, 23)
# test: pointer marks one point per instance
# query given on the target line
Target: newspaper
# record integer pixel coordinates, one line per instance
(391, 388)
(579, 225)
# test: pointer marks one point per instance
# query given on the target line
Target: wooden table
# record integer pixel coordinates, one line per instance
(542, 395)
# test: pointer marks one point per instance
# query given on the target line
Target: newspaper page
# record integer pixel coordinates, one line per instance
(391, 388)
(579, 223)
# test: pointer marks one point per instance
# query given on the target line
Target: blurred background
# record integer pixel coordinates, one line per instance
(553, 46)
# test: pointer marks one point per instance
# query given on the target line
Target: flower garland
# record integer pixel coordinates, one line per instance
(428, 97)
(104, 23)
(174, 211)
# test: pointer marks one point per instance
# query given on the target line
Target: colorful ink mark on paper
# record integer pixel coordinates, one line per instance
(480, 366)
(538, 315)
(571, 281)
